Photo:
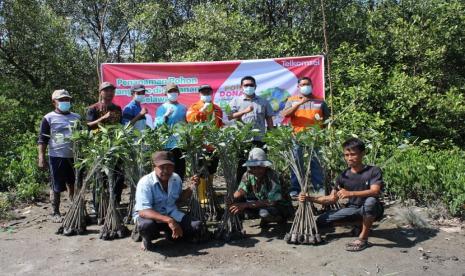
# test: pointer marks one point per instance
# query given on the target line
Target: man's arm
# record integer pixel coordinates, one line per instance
(290, 110)
(269, 123)
(187, 193)
(375, 190)
(239, 114)
(138, 116)
(323, 200)
(44, 137)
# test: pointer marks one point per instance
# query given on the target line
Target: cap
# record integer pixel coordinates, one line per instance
(58, 94)
(205, 86)
(257, 158)
(162, 158)
(137, 88)
(104, 85)
(170, 86)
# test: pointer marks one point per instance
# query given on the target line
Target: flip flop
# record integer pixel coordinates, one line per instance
(357, 245)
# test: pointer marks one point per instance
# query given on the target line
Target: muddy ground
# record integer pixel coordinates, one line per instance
(28, 246)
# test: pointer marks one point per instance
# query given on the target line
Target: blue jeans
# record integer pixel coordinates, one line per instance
(371, 208)
(315, 169)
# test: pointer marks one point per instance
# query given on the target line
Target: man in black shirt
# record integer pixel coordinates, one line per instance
(362, 185)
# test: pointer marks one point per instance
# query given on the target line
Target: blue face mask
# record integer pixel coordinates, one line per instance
(139, 98)
(249, 90)
(64, 106)
(206, 98)
(306, 90)
(172, 97)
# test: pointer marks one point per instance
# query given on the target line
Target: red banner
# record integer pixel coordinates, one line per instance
(276, 79)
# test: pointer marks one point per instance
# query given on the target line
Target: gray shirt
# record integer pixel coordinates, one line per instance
(261, 110)
(55, 130)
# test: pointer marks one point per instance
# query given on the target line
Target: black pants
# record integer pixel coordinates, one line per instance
(244, 156)
(179, 162)
(150, 229)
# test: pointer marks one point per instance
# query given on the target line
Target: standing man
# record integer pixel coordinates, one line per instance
(55, 130)
(362, 185)
(133, 113)
(201, 111)
(252, 109)
(205, 109)
(105, 112)
(156, 197)
(171, 113)
(306, 111)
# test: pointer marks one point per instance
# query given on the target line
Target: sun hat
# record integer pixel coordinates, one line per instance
(257, 158)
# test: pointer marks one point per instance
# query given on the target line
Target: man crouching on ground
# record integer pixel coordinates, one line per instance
(362, 185)
(260, 192)
(156, 197)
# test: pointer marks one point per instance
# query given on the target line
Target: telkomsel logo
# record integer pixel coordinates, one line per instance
(292, 63)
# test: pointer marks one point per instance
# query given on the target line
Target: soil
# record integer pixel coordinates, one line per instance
(29, 246)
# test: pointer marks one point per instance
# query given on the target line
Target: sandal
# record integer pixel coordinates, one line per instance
(357, 245)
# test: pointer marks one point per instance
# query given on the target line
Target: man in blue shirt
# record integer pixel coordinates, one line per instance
(156, 197)
(171, 113)
(133, 113)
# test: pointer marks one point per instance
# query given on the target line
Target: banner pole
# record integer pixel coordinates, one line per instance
(326, 54)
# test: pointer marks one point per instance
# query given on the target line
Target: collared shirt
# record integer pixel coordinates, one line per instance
(194, 115)
(151, 195)
(270, 187)
(178, 116)
(261, 110)
(130, 111)
(55, 130)
(313, 112)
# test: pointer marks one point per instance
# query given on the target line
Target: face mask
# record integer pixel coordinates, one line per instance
(206, 98)
(139, 98)
(306, 90)
(249, 90)
(172, 97)
(64, 106)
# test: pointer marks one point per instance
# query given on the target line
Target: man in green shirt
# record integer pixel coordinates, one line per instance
(260, 193)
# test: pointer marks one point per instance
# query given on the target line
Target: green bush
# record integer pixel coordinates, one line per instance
(21, 173)
(428, 175)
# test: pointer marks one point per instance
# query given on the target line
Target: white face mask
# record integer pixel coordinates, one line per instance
(172, 97)
(306, 90)
(249, 90)
(206, 98)
(139, 98)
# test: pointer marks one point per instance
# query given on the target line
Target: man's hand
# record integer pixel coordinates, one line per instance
(247, 110)
(195, 181)
(302, 197)
(205, 107)
(304, 100)
(343, 193)
(237, 208)
(175, 228)
(106, 116)
(143, 111)
(42, 164)
(168, 112)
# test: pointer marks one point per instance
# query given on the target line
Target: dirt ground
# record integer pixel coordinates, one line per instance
(28, 246)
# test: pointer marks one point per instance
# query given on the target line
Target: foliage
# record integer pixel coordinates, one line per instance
(21, 173)
(427, 175)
